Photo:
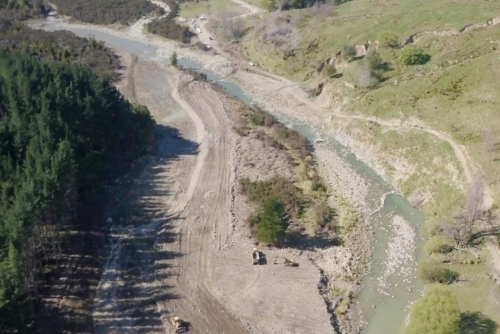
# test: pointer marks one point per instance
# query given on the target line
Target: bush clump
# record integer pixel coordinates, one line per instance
(414, 56)
(371, 70)
(388, 39)
(349, 52)
(322, 215)
(271, 221)
(278, 187)
(438, 244)
(436, 313)
(168, 28)
(434, 272)
(330, 71)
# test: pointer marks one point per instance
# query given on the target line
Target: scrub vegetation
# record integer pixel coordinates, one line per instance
(22, 9)
(107, 11)
(59, 46)
(168, 28)
(279, 200)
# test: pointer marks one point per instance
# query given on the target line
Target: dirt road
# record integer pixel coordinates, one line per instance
(252, 9)
(221, 291)
(175, 246)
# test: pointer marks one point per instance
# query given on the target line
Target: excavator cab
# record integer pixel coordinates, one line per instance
(179, 325)
(255, 256)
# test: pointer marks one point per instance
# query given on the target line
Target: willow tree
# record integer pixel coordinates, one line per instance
(436, 313)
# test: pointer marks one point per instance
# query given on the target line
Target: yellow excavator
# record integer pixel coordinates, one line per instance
(255, 256)
(287, 262)
(179, 325)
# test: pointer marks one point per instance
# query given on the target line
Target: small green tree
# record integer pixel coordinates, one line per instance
(330, 71)
(173, 59)
(388, 39)
(374, 60)
(436, 313)
(272, 221)
(372, 70)
(414, 56)
(349, 52)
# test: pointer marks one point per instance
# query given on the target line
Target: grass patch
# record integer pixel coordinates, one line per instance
(190, 9)
(363, 21)
(475, 290)
(476, 295)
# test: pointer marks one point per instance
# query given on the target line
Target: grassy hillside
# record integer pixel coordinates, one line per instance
(320, 37)
(456, 91)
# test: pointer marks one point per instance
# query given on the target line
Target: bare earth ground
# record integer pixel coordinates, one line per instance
(185, 204)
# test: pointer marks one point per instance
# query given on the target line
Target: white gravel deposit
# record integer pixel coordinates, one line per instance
(400, 254)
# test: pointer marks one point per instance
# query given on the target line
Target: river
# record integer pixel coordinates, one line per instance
(391, 285)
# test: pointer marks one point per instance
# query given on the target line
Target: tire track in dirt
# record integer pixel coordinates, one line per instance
(133, 284)
(131, 81)
(220, 290)
(197, 225)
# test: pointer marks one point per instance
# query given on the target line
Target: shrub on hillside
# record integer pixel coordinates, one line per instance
(289, 4)
(330, 71)
(432, 271)
(371, 70)
(367, 78)
(414, 56)
(168, 28)
(374, 60)
(436, 313)
(278, 32)
(322, 215)
(438, 244)
(388, 39)
(349, 52)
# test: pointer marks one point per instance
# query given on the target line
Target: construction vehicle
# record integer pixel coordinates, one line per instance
(255, 256)
(287, 262)
(179, 325)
